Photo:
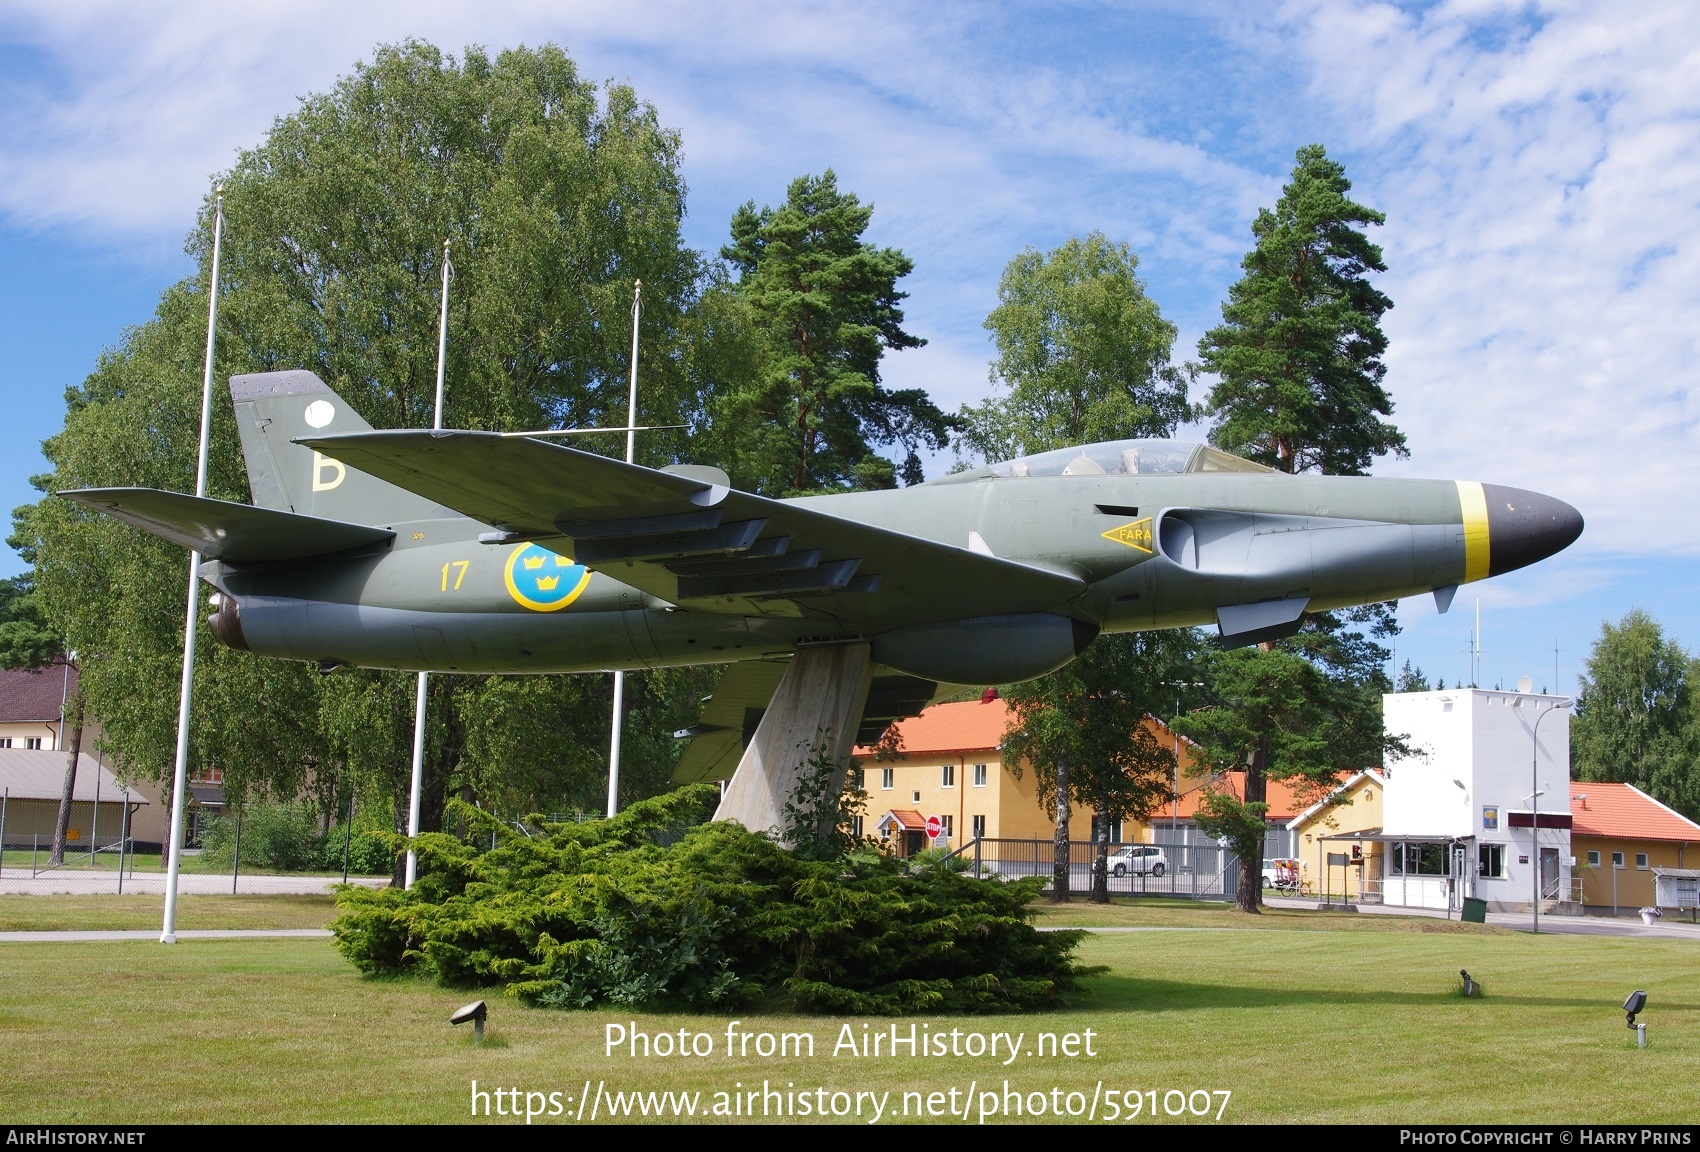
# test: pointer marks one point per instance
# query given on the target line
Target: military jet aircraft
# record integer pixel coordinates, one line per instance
(485, 552)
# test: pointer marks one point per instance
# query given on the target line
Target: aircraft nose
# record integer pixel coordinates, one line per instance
(1524, 527)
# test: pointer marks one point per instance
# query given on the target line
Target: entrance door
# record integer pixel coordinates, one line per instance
(1549, 873)
(913, 842)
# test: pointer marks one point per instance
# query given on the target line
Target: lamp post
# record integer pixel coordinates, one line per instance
(1175, 809)
(1535, 807)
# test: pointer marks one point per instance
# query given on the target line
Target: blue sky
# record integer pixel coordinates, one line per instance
(1537, 163)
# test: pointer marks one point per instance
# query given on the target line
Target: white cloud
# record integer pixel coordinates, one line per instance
(1536, 163)
(1541, 243)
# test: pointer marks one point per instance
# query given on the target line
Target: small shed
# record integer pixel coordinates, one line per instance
(31, 784)
(1676, 888)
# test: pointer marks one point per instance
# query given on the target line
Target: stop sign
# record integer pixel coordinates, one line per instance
(935, 827)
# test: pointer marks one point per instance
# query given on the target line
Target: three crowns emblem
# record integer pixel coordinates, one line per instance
(547, 583)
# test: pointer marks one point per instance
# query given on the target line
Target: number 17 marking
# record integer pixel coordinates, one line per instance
(460, 567)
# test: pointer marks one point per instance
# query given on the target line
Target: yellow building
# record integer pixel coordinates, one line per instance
(31, 704)
(950, 764)
(1620, 835)
(1325, 830)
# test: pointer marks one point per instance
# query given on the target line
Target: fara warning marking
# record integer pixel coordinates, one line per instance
(543, 581)
(1135, 535)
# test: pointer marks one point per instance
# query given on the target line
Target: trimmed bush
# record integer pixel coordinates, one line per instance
(598, 914)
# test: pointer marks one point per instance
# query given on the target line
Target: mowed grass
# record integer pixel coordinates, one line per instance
(59, 913)
(1301, 1026)
(1171, 912)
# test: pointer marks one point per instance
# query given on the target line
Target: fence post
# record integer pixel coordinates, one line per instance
(236, 856)
(4, 797)
(347, 835)
(123, 838)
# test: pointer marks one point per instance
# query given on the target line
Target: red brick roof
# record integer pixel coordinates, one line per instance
(29, 695)
(1624, 812)
(906, 818)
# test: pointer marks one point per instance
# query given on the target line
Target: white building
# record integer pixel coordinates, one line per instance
(1481, 803)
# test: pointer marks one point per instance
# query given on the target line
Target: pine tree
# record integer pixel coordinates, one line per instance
(819, 308)
(1298, 355)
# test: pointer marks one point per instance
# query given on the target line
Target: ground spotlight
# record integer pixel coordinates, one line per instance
(475, 1012)
(1471, 988)
(1636, 1003)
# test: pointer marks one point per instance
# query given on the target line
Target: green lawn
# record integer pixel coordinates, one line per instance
(61, 913)
(1356, 1025)
(1171, 912)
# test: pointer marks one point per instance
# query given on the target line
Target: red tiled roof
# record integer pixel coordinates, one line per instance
(1624, 812)
(973, 726)
(1285, 800)
(906, 818)
(969, 727)
(30, 695)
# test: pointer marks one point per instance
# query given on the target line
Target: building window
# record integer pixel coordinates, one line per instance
(947, 776)
(915, 797)
(856, 827)
(979, 826)
(5, 741)
(979, 775)
(1420, 860)
(949, 826)
(1593, 857)
(1617, 859)
(1490, 860)
(32, 742)
(885, 779)
(1641, 861)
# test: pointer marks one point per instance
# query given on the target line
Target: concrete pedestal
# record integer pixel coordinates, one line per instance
(818, 704)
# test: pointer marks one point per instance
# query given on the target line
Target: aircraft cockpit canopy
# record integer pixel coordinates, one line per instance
(1119, 458)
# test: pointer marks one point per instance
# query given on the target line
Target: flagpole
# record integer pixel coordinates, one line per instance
(631, 451)
(418, 782)
(180, 771)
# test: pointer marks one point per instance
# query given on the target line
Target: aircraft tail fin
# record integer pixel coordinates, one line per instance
(272, 409)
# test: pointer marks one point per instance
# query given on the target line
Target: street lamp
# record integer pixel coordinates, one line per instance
(1175, 809)
(1535, 807)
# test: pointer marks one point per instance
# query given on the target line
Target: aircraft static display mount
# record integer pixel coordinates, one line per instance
(483, 552)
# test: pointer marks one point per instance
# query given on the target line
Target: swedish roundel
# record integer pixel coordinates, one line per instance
(543, 581)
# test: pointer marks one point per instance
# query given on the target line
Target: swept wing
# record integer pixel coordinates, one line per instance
(695, 543)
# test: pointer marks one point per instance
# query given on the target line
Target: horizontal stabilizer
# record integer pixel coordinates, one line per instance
(221, 530)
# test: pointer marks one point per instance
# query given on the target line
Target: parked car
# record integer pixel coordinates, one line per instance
(1139, 859)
